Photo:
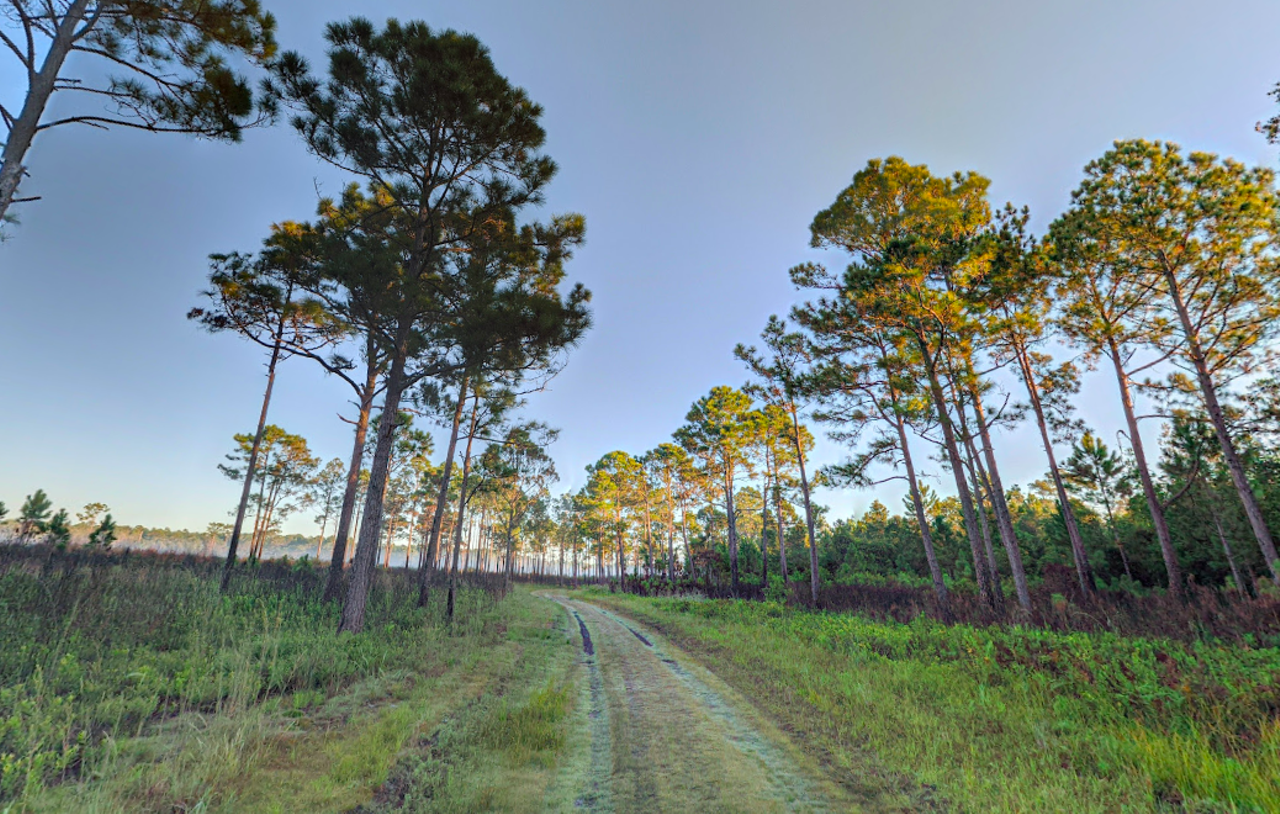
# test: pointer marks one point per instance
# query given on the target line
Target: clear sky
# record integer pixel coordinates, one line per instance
(698, 138)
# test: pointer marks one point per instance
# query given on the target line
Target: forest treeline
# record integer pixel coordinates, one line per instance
(424, 285)
(947, 325)
(941, 324)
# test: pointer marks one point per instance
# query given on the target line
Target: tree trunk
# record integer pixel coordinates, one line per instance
(733, 526)
(1004, 520)
(684, 535)
(671, 532)
(808, 506)
(648, 529)
(622, 561)
(982, 495)
(1084, 571)
(442, 498)
(922, 520)
(782, 543)
(764, 526)
(391, 536)
(1209, 391)
(333, 583)
(462, 508)
(1231, 559)
(320, 543)
(40, 88)
(957, 470)
(371, 522)
(1170, 556)
(250, 465)
(1115, 537)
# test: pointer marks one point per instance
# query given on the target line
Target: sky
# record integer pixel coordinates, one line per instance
(697, 138)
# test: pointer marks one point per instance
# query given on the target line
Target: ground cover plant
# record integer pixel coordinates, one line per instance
(128, 682)
(1002, 719)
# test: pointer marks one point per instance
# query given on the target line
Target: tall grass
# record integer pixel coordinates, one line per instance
(1006, 719)
(96, 649)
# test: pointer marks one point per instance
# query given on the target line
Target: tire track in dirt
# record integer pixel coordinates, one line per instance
(681, 740)
(595, 797)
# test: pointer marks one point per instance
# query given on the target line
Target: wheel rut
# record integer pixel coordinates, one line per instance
(666, 735)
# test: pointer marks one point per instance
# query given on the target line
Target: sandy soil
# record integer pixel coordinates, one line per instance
(662, 734)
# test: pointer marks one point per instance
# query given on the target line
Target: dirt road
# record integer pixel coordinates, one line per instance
(661, 734)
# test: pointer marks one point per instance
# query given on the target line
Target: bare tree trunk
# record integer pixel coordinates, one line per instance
(40, 87)
(1084, 571)
(1170, 556)
(648, 528)
(462, 508)
(981, 498)
(622, 562)
(333, 582)
(442, 498)
(392, 524)
(371, 524)
(684, 537)
(1226, 549)
(777, 506)
(1209, 392)
(957, 470)
(732, 519)
(1115, 537)
(671, 532)
(922, 520)
(252, 463)
(320, 544)
(981, 494)
(1004, 520)
(764, 531)
(808, 506)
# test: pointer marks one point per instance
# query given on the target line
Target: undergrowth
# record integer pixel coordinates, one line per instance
(102, 651)
(1007, 718)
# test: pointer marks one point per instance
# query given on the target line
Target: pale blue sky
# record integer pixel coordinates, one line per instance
(698, 138)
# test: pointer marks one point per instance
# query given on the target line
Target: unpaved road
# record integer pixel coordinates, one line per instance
(664, 735)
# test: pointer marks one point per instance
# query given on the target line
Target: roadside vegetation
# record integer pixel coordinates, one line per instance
(130, 683)
(999, 719)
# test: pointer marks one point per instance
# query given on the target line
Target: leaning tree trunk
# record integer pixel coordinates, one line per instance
(1115, 538)
(442, 498)
(250, 465)
(957, 470)
(1209, 392)
(1231, 558)
(371, 523)
(982, 496)
(40, 87)
(1084, 571)
(333, 582)
(1171, 567)
(1004, 519)
(922, 520)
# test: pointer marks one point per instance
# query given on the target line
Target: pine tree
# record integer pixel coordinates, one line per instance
(58, 530)
(104, 535)
(169, 61)
(1197, 234)
(33, 517)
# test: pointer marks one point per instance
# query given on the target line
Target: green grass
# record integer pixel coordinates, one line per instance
(1002, 720)
(133, 685)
